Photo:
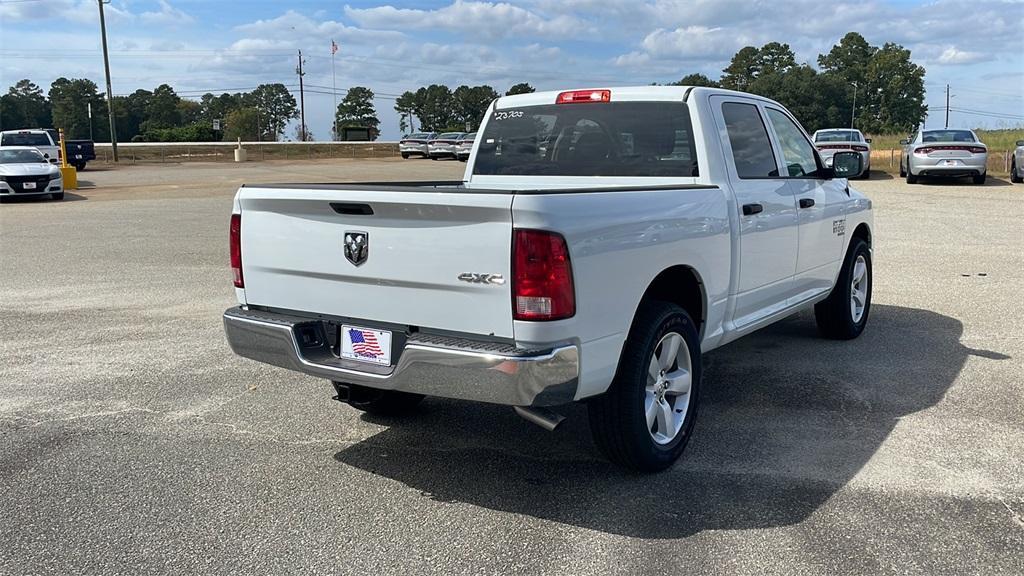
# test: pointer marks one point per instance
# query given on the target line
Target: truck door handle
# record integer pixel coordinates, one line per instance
(751, 209)
(806, 202)
(352, 209)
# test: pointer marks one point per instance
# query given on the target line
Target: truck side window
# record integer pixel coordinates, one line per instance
(796, 150)
(751, 148)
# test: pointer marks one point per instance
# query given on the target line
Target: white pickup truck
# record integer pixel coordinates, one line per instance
(600, 241)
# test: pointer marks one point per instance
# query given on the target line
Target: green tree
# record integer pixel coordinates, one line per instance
(275, 106)
(242, 123)
(816, 100)
(24, 106)
(775, 58)
(521, 88)
(849, 58)
(696, 79)
(894, 92)
(407, 106)
(69, 103)
(189, 111)
(162, 109)
(436, 108)
(130, 113)
(742, 69)
(470, 104)
(356, 111)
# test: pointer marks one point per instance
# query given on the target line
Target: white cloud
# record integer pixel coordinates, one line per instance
(167, 16)
(953, 55)
(481, 19)
(293, 26)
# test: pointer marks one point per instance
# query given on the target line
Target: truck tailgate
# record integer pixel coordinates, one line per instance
(419, 243)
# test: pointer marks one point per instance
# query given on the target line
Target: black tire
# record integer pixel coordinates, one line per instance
(433, 157)
(978, 180)
(1015, 176)
(405, 155)
(903, 172)
(381, 402)
(80, 167)
(911, 179)
(57, 195)
(834, 315)
(617, 418)
(866, 175)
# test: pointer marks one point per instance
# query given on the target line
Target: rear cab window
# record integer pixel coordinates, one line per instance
(590, 139)
(25, 139)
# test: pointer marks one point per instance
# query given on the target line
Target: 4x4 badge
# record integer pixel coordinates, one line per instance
(357, 247)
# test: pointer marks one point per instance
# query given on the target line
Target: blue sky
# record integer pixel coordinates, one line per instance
(227, 45)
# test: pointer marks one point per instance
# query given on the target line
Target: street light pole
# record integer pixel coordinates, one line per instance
(853, 111)
(110, 91)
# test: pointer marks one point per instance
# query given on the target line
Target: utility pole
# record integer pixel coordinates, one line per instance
(947, 105)
(302, 101)
(110, 91)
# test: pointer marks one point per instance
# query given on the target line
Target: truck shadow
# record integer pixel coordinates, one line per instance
(787, 419)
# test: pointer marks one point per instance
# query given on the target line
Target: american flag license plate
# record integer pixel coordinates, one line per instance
(366, 345)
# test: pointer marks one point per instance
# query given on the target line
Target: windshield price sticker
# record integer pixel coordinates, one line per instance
(506, 114)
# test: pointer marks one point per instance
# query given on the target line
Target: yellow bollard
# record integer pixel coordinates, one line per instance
(68, 173)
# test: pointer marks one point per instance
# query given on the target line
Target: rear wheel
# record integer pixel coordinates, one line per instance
(405, 155)
(1015, 176)
(866, 175)
(374, 401)
(979, 179)
(844, 313)
(80, 166)
(911, 179)
(646, 417)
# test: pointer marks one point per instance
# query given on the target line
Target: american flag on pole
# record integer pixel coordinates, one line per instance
(334, 47)
(364, 343)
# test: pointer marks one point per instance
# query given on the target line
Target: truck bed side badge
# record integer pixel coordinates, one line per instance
(357, 247)
(482, 278)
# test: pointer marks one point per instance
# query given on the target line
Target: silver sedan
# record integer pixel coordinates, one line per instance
(24, 172)
(415, 144)
(1017, 164)
(835, 140)
(946, 153)
(444, 145)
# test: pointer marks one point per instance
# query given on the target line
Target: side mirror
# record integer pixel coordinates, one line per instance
(847, 164)
(1020, 142)
(868, 140)
(904, 142)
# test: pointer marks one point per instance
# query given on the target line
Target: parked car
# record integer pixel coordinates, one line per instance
(38, 139)
(601, 242)
(415, 144)
(946, 153)
(25, 172)
(443, 146)
(833, 140)
(465, 146)
(1017, 164)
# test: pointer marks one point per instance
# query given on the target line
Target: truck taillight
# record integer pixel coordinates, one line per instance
(236, 249)
(580, 96)
(542, 287)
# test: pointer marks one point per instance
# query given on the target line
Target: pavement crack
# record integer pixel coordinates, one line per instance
(1013, 513)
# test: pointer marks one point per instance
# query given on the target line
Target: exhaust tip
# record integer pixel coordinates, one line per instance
(542, 417)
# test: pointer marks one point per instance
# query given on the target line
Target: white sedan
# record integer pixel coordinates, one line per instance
(24, 172)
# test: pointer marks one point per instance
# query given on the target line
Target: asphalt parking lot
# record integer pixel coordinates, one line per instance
(133, 441)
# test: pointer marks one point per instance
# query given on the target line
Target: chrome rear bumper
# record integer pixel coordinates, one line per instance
(434, 366)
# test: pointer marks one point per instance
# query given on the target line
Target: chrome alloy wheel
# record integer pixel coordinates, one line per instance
(667, 394)
(859, 289)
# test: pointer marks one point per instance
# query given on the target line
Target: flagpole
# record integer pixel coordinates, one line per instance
(334, 86)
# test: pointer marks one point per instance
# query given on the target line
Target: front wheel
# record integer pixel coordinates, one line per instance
(646, 417)
(57, 195)
(844, 313)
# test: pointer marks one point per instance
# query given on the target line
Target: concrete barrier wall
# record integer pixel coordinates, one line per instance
(157, 152)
